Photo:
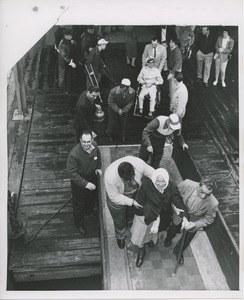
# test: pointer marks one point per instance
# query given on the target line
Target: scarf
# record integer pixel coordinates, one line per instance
(150, 197)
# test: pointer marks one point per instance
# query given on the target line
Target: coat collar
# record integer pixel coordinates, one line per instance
(119, 91)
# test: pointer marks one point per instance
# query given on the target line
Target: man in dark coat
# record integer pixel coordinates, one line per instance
(94, 64)
(83, 166)
(66, 63)
(85, 111)
(120, 100)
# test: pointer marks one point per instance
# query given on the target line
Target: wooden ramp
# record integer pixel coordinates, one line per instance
(199, 271)
(58, 251)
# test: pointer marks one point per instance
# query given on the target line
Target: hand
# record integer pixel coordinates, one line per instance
(98, 106)
(136, 204)
(184, 223)
(150, 149)
(98, 172)
(153, 230)
(91, 73)
(73, 65)
(190, 226)
(90, 186)
(185, 146)
(169, 76)
(120, 112)
(93, 135)
(221, 50)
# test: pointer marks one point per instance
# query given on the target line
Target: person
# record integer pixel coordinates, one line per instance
(165, 33)
(85, 111)
(88, 41)
(201, 206)
(154, 135)
(157, 51)
(149, 77)
(156, 196)
(66, 63)
(131, 37)
(180, 98)
(83, 166)
(120, 100)
(186, 36)
(174, 65)
(204, 45)
(223, 47)
(94, 63)
(122, 180)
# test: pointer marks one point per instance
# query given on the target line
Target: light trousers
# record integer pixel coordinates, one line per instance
(152, 91)
(204, 62)
(220, 67)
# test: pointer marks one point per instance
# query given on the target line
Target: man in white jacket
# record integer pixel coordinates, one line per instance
(122, 180)
(180, 97)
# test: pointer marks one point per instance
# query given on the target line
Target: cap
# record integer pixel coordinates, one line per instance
(150, 59)
(174, 122)
(102, 42)
(126, 82)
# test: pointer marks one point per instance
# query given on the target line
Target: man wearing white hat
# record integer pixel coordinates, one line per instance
(155, 134)
(94, 63)
(120, 100)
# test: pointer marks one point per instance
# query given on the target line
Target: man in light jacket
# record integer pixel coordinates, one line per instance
(202, 207)
(122, 180)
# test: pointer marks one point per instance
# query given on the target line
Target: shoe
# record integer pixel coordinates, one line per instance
(215, 82)
(82, 230)
(134, 66)
(139, 113)
(223, 84)
(150, 117)
(151, 244)
(140, 257)
(205, 84)
(121, 243)
(199, 80)
(181, 260)
(167, 242)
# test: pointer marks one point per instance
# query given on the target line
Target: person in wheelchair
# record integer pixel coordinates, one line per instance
(149, 78)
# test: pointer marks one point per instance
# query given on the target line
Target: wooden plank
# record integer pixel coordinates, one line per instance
(207, 263)
(55, 259)
(57, 273)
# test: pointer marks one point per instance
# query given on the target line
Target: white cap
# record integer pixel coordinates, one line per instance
(126, 81)
(102, 42)
(174, 122)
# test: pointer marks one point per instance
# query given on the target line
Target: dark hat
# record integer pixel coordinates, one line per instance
(67, 31)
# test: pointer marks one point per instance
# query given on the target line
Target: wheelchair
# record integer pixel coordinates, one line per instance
(146, 103)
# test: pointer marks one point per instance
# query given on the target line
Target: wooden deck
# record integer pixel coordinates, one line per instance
(58, 251)
(38, 149)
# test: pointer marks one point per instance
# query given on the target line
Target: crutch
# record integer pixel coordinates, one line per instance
(180, 252)
(93, 79)
(108, 73)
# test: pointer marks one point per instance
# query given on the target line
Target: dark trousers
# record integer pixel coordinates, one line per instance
(157, 141)
(121, 215)
(65, 77)
(171, 233)
(83, 201)
(116, 123)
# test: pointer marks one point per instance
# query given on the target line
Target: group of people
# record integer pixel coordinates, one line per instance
(137, 191)
(138, 188)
